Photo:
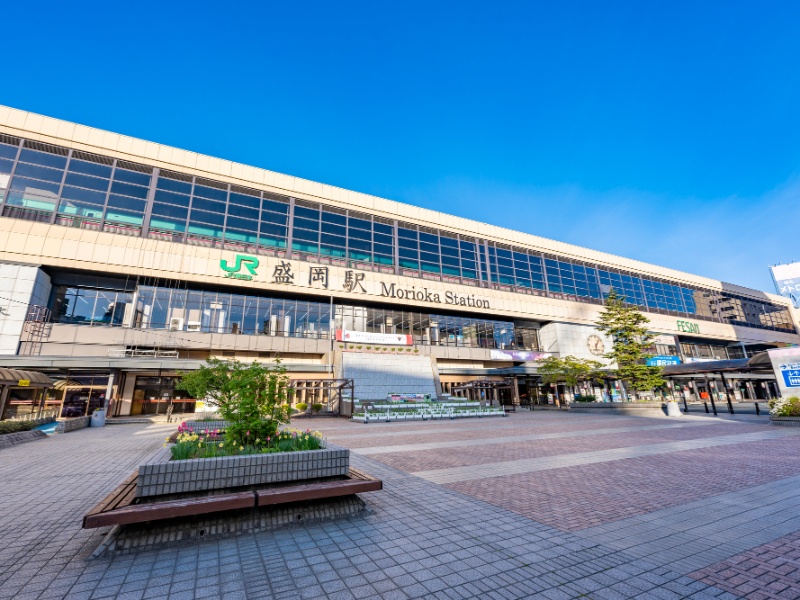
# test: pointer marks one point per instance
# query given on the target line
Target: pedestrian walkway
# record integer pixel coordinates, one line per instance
(702, 517)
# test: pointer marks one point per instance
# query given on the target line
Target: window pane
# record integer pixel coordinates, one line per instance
(208, 217)
(174, 186)
(71, 193)
(129, 190)
(175, 212)
(171, 198)
(43, 158)
(89, 168)
(126, 203)
(241, 211)
(93, 183)
(242, 224)
(8, 151)
(213, 193)
(131, 177)
(121, 216)
(40, 172)
(209, 205)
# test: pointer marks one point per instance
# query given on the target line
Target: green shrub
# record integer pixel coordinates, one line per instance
(585, 398)
(301, 406)
(15, 426)
(316, 407)
(251, 398)
(785, 407)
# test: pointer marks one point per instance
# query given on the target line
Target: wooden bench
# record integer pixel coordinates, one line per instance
(118, 508)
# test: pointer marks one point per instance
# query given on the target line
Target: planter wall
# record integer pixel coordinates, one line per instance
(202, 474)
(785, 421)
(8, 440)
(641, 409)
(68, 425)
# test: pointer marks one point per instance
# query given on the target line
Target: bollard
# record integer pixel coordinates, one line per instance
(758, 410)
(685, 406)
(713, 405)
(706, 406)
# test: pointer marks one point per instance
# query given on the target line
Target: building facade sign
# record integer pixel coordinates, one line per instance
(283, 272)
(663, 361)
(517, 355)
(366, 337)
(687, 327)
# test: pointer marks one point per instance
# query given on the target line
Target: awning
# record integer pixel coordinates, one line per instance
(759, 362)
(12, 377)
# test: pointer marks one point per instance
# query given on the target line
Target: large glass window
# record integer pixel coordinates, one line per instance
(93, 191)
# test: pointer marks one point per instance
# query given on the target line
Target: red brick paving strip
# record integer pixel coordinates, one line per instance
(574, 498)
(429, 460)
(768, 571)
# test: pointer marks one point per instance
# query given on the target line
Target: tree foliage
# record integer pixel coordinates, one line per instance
(569, 370)
(250, 397)
(627, 327)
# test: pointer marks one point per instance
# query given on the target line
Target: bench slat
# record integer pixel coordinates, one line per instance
(118, 508)
(120, 496)
(138, 513)
(316, 491)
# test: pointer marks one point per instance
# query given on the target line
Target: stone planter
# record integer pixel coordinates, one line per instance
(636, 409)
(73, 424)
(673, 410)
(785, 421)
(203, 474)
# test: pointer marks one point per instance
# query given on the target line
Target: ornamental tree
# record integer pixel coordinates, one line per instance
(252, 398)
(627, 327)
(569, 370)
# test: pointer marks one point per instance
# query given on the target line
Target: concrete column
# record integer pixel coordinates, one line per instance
(3, 398)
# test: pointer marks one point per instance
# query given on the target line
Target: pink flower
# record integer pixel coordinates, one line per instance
(248, 433)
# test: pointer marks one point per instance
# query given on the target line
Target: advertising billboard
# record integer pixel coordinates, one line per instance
(787, 281)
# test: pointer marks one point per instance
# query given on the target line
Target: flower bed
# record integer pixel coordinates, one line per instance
(785, 407)
(208, 443)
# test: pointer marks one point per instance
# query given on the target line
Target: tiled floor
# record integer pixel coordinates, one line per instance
(556, 505)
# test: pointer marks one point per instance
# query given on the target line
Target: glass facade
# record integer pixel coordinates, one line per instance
(52, 184)
(163, 308)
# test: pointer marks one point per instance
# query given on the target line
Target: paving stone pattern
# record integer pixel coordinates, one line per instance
(427, 540)
(768, 571)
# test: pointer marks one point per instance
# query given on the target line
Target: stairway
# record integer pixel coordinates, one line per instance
(377, 375)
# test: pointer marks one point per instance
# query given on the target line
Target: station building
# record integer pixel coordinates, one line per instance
(124, 263)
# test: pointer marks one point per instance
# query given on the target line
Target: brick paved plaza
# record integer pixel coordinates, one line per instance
(539, 504)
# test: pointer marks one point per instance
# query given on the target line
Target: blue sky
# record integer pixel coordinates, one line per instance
(665, 132)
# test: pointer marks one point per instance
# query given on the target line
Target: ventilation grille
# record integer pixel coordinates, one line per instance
(7, 139)
(237, 189)
(276, 197)
(95, 158)
(124, 164)
(176, 176)
(46, 148)
(212, 184)
(307, 204)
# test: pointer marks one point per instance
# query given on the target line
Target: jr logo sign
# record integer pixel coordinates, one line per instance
(248, 262)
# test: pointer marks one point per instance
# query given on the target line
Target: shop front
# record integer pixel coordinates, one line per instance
(23, 394)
